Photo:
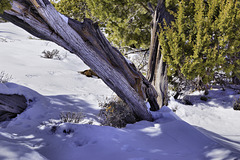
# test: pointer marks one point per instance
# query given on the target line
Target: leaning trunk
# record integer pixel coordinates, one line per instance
(40, 18)
(157, 68)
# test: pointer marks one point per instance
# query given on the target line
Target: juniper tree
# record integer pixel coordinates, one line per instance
(229, 36)
(203, 41)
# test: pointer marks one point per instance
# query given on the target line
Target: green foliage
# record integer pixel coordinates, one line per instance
(76, 9)
(125, 22)
(204, 40)
(5, 5)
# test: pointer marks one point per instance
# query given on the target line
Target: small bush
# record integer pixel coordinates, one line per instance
(236, 105)
(54, 54)
(116, 113)
(4, 77)
(71, 117)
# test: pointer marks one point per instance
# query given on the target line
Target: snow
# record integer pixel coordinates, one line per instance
(215, 118)
(206, 130)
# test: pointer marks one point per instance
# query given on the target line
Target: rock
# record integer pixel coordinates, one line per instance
(11, 105)
(186, 100)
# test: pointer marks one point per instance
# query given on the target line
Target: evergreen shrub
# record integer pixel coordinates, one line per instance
(203, 41)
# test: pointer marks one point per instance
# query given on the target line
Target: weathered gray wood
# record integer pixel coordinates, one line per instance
(11, 105)
(157, 69)
(85, 40)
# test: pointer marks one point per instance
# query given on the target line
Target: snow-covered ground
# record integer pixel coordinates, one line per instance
(206, 130)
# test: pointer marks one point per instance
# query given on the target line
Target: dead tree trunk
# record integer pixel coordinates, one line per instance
(11, 106)
(157, 68)
(40, 18)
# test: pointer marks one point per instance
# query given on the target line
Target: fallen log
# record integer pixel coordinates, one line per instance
(11, 105)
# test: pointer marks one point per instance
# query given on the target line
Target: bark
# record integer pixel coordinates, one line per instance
(157, 68)
(40, 18)
(11, 106)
